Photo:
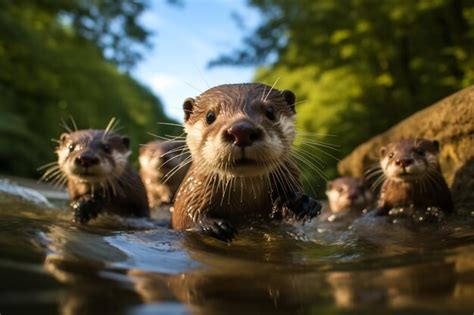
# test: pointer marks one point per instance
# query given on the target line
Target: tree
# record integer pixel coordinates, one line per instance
(49, 72)
(360, 65)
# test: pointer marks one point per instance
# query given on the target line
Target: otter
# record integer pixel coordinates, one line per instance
(346, 195)
(161, 171)
(240, 138)
(412, 177)
(99, 175)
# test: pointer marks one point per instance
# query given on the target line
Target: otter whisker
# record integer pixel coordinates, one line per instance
(310, 156)
(263, 94)
(59, 181)
(111, 128)
(42, 167)
(180, 136)
(313, 134)
(166, 139)
(175, 169)
(280, 183)
(379, 181)
(170, 124)
(271, 89)
(183, 148)
(49, 175)
(51, 170)
(62, 182)
(192, 86)
(311, 165)
(65, 126)
(172, 158)
(73, 122)
(183, 151)
(329, 146)
(54, 178)
(372, 175)
(322, 151)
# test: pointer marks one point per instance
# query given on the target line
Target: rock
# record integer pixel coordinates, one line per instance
(451, 122)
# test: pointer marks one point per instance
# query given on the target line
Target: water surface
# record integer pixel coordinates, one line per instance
(134, 266)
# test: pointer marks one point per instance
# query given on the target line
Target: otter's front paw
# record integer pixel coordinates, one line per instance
(296, 207)
(85, 209)
(220, 229)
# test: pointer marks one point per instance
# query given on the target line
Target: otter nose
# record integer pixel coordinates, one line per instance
(87, 160)
(404, 162)
(243, 134)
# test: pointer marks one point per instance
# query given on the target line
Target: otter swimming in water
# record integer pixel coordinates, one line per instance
(412, 176)
(161, 171)
(99, 175)
(240, 138)
(346, 194)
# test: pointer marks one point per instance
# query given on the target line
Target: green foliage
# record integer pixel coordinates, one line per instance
(49, 72)
(360, 66)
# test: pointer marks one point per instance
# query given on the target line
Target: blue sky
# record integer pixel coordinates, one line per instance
(186, 38)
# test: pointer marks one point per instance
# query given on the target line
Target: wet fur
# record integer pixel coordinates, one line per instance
(216, 186)
(160, 169)
(111, 186)
(422, 185)
(340, 190)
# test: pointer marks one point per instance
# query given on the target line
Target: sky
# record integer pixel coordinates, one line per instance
(186, 38)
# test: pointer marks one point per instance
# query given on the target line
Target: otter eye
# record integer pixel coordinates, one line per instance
(71, 147)
(105, 147)
(391, 155)
(210, 117)
(270, 113)
(340, 189)
(419, 152)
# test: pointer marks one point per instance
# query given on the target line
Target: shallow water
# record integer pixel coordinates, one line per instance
(49, 265)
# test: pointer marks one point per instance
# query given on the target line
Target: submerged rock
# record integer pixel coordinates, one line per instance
(451, 122)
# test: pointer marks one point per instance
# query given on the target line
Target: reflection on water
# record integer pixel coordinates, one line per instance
(122, 266)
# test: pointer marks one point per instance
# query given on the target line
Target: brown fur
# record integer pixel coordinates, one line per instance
(220, 190)
(119, 191)
(423, 188)
(160, 169)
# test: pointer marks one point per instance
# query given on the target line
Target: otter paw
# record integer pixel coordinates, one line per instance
(296, 207)
(85, 210)
(220, 229)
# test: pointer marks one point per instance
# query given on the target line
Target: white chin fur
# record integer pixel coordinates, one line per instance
(100, 172)
(413, 170)
(216, 155)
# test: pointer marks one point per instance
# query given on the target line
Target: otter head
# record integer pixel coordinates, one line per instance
(409, 159)
(93, 155)
(159, 158)
(348, 193)
(240, 129)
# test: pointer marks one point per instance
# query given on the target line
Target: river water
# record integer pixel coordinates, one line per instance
(49, 265)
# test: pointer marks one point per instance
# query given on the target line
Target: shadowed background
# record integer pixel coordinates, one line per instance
(357, 66)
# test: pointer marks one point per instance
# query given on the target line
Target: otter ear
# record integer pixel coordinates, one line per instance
(382, 151)
(63, 138)
(436, 145)
(188, 108)
(329, 186)
(126, 142)
(290, 99)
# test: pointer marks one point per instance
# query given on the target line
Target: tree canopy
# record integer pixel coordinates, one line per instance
(54, 64)
(360, 66)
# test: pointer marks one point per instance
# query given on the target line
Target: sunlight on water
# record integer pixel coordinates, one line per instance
(140, 267)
